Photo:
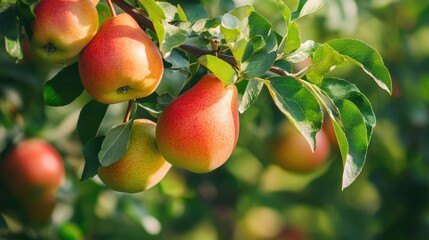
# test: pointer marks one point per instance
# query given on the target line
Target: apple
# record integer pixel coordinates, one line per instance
(34, 171)
(199, 130)
(292, 152)
(121, 62)
(142, 166)
(62, 28)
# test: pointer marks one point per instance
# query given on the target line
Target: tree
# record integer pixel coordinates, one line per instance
(240, 47)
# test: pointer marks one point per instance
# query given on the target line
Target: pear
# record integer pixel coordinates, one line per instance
(62, 28)
(121, 62)
(142, 166)
(291, 151)
(199, 130)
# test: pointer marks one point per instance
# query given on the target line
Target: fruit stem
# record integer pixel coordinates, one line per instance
(128, 112)
(112, 9)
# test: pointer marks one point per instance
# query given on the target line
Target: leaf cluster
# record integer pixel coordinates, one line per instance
(238, 46)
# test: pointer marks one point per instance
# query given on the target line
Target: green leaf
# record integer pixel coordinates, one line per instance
(174, 37)
(258, 25)
(13, 48)
(90, 153)
(155, 12)
(293, 39)
(305, 51)
(353, 120)
(193, 9)
(170, 11)
(115, 144)
(253, 89)
(307, 7)
(285, 11)
(156, 15)
(90, 119)
(357, 141)
(339, 89)
(220, 68)
(284, 65)
(298, 104)
(172, 82)
(325, 59)
(206, 24)
(235, 34)
(258, 64)
(9, 24)
(181, 13)
(177, 59)
(6, 4)
(103, 13)
(64, 87)
(365, 57)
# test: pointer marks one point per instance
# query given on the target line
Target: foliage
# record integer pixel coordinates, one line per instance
(264, 59)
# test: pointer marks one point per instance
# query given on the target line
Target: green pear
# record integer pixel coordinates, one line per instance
(62, 28)
(142, 165)
(199, 130)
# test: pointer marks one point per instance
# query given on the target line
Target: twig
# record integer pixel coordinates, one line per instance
(112, 9)
(194, 51)
(128, 112)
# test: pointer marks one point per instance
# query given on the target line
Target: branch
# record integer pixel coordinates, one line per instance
(144, 22)
(194, 51)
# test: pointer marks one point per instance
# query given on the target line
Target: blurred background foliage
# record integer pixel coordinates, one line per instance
(250, 197)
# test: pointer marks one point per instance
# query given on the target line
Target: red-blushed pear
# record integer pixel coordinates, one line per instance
(34, 171)
(142, 165)
(292, 152)
(121, 62)
(199, 130)
(62, 28)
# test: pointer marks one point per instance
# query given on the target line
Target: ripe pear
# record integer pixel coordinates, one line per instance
(121, 62)
(292, 152)
(199, 130)
(62, 28)
(32, 169)
(142, 165)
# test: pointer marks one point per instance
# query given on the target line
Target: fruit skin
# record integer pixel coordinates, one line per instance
(291, 151)
(34, 171)
(121, 62)
(142, 166)
(199, 130)
(62, 28)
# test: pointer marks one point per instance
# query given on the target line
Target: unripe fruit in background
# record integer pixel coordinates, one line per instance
(142, 166)
(62, 28)
(121, 62)
(291, 151)
(199, 130)
(34, 171)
